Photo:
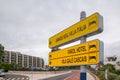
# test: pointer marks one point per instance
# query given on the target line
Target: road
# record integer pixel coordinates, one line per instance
(49, 75)
(15, 77)
(60, 77)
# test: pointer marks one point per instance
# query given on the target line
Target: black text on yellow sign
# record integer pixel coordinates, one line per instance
(85, 59)
(89, 26)
(91, 46)
(87, 53)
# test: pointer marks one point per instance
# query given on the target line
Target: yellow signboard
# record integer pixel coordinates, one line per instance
(88, 26)
(84, 59)
(91, 46)
(82, 54)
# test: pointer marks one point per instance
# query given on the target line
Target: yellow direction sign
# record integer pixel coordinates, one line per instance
(84, 59)
(91, 46)
(88, 26)
(82, 54)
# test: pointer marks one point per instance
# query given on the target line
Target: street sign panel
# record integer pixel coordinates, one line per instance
(91, 46)
(84, 59)
(82, 54)
(87, 27)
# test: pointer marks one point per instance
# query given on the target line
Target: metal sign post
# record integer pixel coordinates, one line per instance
(86, 53)
(83, 39)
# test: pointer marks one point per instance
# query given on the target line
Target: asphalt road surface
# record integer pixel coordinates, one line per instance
(60, 77)
(15, 77)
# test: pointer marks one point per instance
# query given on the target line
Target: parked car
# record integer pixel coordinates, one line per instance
(2, 73)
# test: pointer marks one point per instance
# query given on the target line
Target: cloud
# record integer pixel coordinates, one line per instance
(26, 25)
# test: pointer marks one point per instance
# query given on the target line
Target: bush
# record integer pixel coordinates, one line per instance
(110, 67)
(112, 76)
(101, 74)
(117, 72)
(117, 78)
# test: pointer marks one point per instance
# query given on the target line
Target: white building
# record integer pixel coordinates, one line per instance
(23, 60)
(115, 60)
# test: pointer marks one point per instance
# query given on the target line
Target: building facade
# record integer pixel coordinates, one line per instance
(23, 60)
(115, 60)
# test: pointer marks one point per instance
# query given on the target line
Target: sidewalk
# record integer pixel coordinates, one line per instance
(76, 76)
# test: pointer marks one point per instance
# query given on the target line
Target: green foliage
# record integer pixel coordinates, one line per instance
(8, 66)
(1, 50)
(113, 74)
(117, 72)
(101, 74)
(1, 54)
(110, 67)
(117, 78)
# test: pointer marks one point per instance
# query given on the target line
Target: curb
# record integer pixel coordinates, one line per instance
(96, 77)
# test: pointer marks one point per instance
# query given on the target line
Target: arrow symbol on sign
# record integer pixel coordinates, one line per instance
(49, 62)
(50, 42)
(50, 56)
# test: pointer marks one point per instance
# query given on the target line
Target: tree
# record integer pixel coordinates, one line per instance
(1, 54)
(110, 67)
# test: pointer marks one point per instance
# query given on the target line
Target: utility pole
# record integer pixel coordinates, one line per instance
(83, 40)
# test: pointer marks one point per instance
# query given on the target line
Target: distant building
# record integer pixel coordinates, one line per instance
(23, 60)
(111, 60)
(115, 60)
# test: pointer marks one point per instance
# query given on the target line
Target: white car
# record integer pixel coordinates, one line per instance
(2, 73)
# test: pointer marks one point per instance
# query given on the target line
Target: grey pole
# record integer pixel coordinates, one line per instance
(83, 39)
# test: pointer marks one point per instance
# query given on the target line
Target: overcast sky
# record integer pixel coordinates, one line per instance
(26, 25)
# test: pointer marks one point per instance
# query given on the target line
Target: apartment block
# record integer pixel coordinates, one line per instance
(23, 60)
(30, 61)
(19, 60)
